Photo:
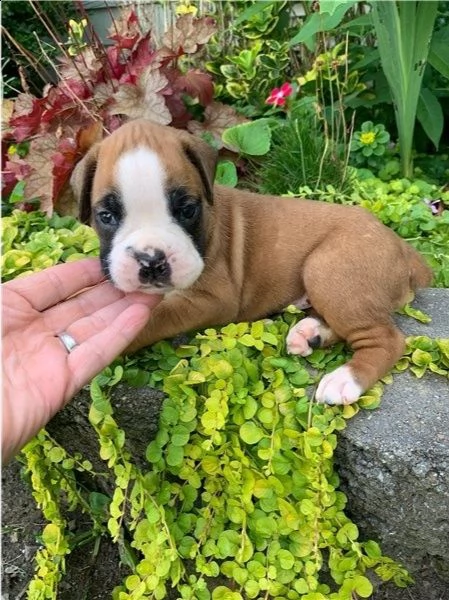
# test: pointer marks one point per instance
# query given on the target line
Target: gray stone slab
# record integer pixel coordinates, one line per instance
(435, 303)
(394, 466)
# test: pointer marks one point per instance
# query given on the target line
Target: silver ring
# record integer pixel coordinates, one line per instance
(67, 341)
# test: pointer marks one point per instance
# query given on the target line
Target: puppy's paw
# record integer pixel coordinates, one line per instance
(338, 387)
(304, 337)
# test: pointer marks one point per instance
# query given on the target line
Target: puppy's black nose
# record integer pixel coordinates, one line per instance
(154, 268)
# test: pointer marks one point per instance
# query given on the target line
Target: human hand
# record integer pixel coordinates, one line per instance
(39, 375)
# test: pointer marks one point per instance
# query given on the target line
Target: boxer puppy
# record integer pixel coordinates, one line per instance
(221, 255)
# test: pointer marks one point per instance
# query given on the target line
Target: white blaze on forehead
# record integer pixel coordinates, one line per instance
(140, 178)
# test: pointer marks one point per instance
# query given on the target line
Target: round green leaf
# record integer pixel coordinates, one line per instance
(226, 173)
(175, 455)
(252, 138)
(250, 433)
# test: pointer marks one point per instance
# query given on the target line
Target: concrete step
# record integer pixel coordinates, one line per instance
(394, 467)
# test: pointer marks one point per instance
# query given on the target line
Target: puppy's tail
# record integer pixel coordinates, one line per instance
(420, 272)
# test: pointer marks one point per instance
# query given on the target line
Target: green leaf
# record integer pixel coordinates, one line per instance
(372, 549)
(228, 543)
(300, 378)
(318, 22)
(307, 507)
(404, 31)
(252, 588)
(301, 586)
(362, 586)
(99, 503)
(153, 453)
(51, 535)
(286, 559)
(415, 313)
(265, 526)
(212, 420)
(421, 358)
(250, 433)
(17, 192)
(249, 138)
(132, 581)
(254, 10)
(187, 547)
(330, 6)
(269, 338)
(226, 173)
(180, 436)
(281, 464)
(430, 115)
(347, 532)
(439, 51)
(56, 455)
(443, 345)
(248, 340)
(223, 593)
(175, 455)
(222, 369)
(117, 376)
(250, 408)
(245, 550)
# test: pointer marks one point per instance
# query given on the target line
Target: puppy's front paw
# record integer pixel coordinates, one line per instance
(338, 387)
(304, 337)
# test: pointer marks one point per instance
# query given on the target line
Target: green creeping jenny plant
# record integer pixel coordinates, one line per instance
(31, 242)
(241, 486)
(239, 495)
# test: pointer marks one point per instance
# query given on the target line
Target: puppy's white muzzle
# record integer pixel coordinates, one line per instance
(154, 261)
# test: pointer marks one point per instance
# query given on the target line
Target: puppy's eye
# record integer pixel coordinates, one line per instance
(109, 211)
(189, 211)
(107, 218)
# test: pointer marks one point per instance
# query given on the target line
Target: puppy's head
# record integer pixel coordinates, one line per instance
(147, 190)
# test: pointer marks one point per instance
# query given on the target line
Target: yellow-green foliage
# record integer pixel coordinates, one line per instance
(31, 242)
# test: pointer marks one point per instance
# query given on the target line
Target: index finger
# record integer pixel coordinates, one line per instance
(52, 285)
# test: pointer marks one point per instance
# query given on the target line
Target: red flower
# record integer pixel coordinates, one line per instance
(278, 95)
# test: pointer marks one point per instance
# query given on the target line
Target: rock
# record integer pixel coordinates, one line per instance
(394, 467)
(135, 409)
(435, 303)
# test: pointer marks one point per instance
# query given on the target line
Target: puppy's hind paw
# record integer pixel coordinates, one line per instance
(338, 387)
(304, 337)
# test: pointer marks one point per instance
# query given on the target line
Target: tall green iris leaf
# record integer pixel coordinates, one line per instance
(404, 32)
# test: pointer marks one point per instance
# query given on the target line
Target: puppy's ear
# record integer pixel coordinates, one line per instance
(81, 181)
(82, 177)
(204, 158)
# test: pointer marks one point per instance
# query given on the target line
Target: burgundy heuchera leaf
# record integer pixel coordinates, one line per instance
(217, 118)
(188, 33)
(64, 161)
(39, 183)
(85, 66)
(15, 170)
(144, 100)
(196, 84)
(26, 117)
(126, 31)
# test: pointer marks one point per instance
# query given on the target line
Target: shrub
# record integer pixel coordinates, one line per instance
(130, 79)
(406, 207)
(300, 155)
